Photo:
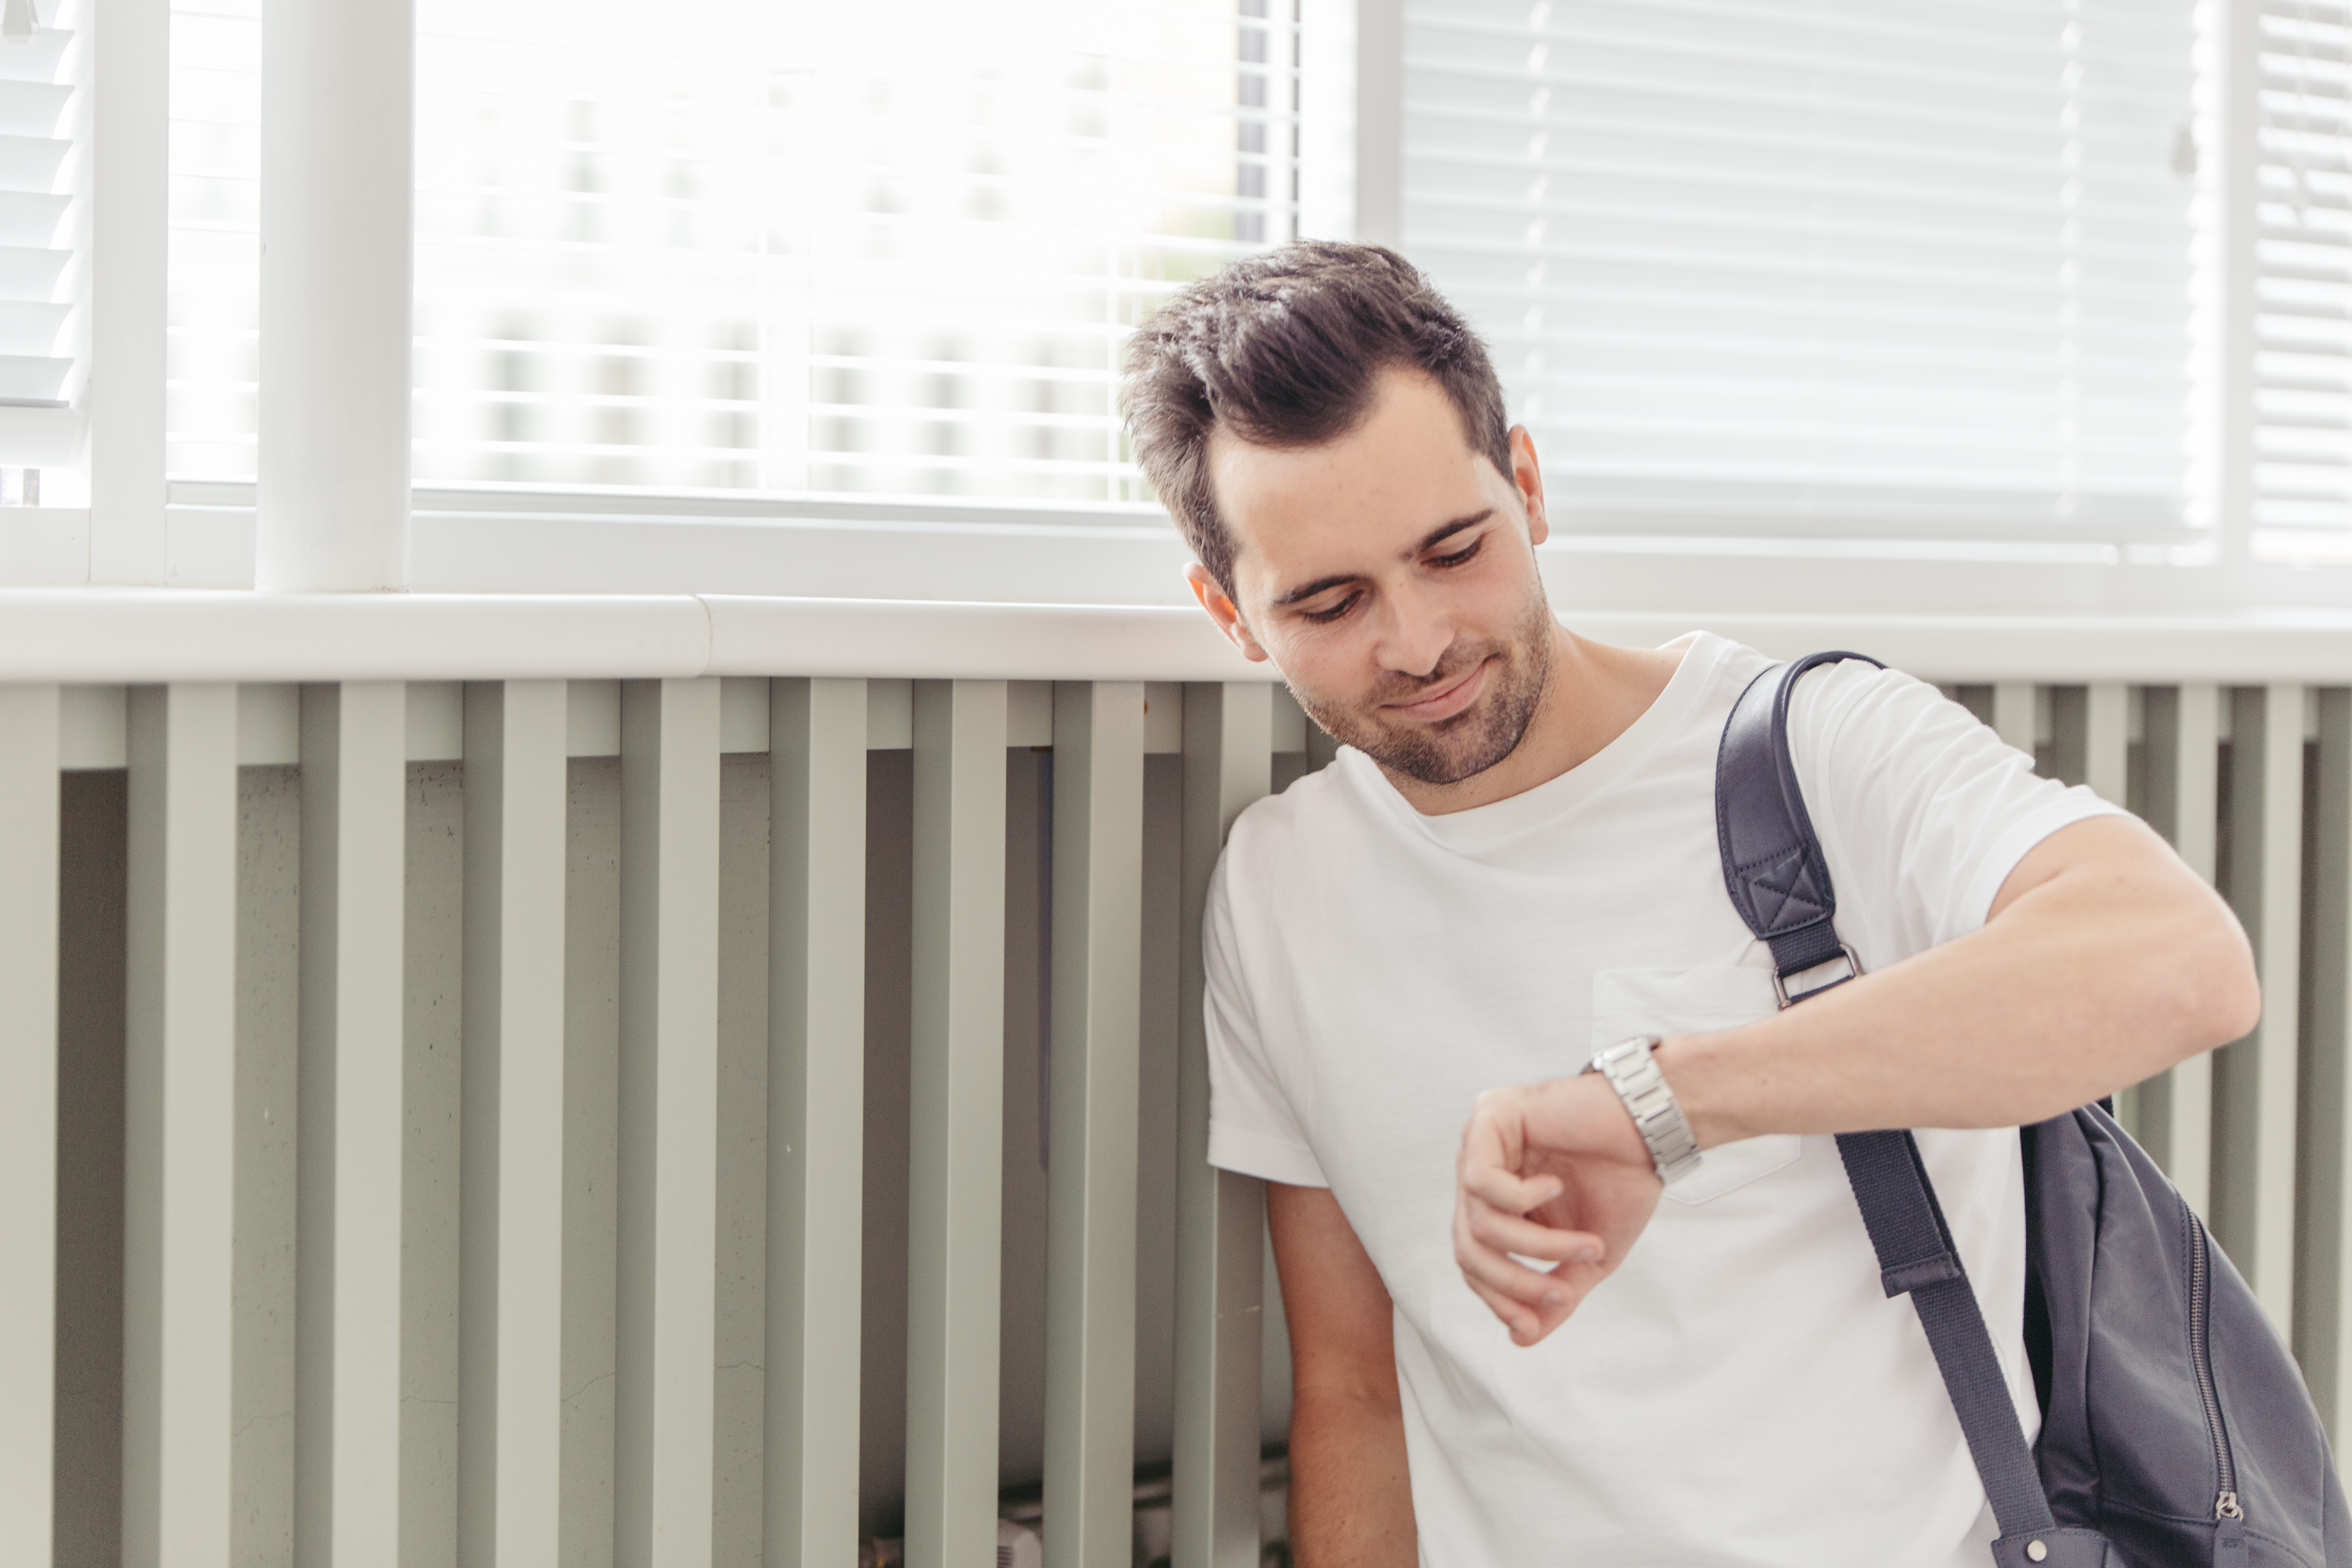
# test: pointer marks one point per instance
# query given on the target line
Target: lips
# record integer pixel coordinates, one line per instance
(1448, 700)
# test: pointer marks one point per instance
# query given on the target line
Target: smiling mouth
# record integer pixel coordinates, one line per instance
(1448, 700)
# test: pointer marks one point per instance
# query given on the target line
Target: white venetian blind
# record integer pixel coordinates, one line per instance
(2302, 304)
(768, 246)
(43, 328)
(1805, 268)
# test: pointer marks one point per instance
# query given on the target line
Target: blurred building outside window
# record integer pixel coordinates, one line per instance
(745, 247)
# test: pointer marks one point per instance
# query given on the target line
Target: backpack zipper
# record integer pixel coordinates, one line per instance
(2200, 1291)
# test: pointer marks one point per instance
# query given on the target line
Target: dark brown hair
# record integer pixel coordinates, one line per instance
(1283, 349)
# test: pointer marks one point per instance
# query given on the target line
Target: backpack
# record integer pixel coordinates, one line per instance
(2176, 1428)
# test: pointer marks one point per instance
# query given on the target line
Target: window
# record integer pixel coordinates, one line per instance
(1824, 267)
(2302, 283)
(739, 247)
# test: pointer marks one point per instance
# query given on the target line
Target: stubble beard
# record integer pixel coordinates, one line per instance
(1472, 741)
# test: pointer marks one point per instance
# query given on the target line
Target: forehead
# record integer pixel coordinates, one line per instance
(1304, 512)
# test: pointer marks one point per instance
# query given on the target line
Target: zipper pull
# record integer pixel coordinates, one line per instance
(2230, 1549)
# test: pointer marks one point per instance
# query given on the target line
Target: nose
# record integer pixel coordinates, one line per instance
(1414, 631)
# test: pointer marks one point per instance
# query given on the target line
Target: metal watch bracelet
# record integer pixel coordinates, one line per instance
(1633, 1073)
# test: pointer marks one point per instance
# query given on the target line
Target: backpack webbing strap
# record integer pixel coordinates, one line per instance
(1774, 870)
(1915, 1255)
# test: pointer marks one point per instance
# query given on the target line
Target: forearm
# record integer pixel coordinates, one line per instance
(2091, 981)
(1351, 1506)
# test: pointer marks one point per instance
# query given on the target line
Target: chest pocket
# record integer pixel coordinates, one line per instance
(1628, 1002)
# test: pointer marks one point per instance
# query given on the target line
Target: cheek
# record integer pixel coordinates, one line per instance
(1332, 663)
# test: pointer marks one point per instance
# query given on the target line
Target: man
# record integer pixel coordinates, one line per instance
(1507, 1349)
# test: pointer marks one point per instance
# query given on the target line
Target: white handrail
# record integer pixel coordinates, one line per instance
(107, 635)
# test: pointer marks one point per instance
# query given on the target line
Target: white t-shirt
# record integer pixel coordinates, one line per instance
(1739, 1392)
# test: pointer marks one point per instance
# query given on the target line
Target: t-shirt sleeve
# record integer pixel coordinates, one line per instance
(1922, 810)
(1251, 1129)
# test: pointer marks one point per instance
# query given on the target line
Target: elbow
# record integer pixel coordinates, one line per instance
(2224, 999)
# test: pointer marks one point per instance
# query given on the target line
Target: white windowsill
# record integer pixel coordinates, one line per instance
(112, 636)
(522, 542)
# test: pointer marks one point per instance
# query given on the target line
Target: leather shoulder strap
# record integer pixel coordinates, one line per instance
(1773, 868)
(1771, 861)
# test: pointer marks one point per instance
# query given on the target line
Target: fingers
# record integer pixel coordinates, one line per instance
(1505, 1232)
(1530, 1323)
(1527, 1325)
(1507, 1192)
(1492, 1268)
(1493, 1201)
(1530, 1301)
(1494, 1145)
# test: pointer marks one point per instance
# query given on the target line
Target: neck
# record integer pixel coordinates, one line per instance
(1592, 693)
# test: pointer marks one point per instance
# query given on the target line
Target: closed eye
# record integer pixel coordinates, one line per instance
(1325, 617)
(1460, 557)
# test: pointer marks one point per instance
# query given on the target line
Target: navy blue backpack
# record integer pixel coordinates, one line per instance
(2176, 1428)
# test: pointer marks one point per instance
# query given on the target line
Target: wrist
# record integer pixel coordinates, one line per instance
(1693, 1067)
(1632, 1071)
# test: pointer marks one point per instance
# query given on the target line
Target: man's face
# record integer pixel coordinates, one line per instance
(1390, 577)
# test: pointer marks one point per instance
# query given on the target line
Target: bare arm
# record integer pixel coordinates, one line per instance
(1350, 1504)
(2103, 960)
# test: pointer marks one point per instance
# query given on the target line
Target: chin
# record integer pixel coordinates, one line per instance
(1449, 752)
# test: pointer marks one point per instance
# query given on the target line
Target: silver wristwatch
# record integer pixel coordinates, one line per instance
(1633, 1073)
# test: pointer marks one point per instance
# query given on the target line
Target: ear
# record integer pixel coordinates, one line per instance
(1222, 610)
(1529, 478)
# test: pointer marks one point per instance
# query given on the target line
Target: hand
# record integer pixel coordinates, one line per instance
(1553, 1171)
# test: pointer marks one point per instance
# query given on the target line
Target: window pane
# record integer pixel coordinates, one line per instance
(1772, 267)
(738, 246)
(2303, 287)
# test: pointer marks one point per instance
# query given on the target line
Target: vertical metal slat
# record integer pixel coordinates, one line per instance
(179, 1331)
(1220, 1217)
(2106, 758)
(511, 1339)
(669, 1121)
(2323, 1275)
(816, 1106)
(2197, 835)
(2177, 1107)
(955, 1218)
(29, 829)
(354, 1124)
(2254, 1138)
(1090, 1248)
(2106, 740)
(2013, 713)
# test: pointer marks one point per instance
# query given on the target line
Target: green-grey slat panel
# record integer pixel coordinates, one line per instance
(955, 1220)
(1220, 1217)
(179, 1331)
(1090, 1245)
(29, 827)
(510, 1444)
(668, 1329)
(816, 1094)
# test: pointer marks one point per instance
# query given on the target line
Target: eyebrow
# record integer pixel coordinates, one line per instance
(1429, 541)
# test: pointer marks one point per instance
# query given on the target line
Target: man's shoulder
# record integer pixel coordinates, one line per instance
(1313, 802)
